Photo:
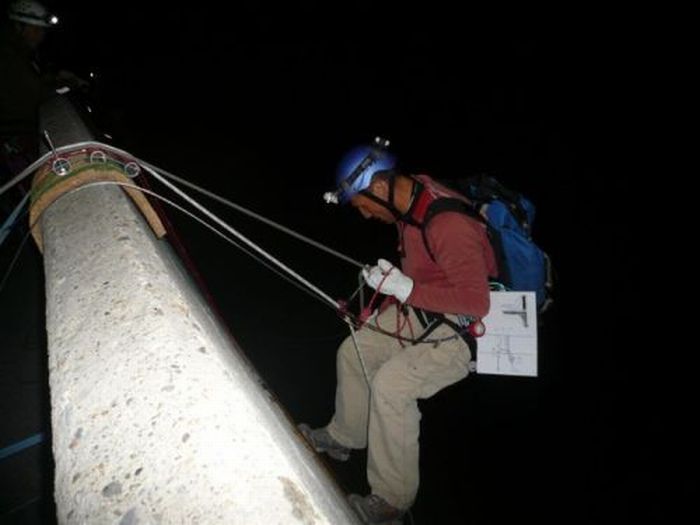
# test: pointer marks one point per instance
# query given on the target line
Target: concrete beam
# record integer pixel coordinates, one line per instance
(157, 417)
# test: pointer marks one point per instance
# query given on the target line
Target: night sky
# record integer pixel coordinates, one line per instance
(259, 103)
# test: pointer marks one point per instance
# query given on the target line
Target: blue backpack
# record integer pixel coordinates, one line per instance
(522, 265)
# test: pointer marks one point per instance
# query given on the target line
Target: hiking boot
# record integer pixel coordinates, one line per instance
(322, 441)
(375, 510)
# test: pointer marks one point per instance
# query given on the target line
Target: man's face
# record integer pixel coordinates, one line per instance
(372, 210)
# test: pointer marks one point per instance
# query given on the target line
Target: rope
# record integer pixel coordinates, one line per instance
(27, 171)
(252, 214)
(242, 237)
(21, 445)
(69, 147)
(174, 205)
(14, 260)
(12, 219)
(206, 225)
(359, 355)
(348, 317)
(151, 168)
(32, 167)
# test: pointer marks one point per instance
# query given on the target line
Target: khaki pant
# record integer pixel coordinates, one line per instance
(385, 417)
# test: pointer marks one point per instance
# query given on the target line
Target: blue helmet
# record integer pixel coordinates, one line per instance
(357, 167)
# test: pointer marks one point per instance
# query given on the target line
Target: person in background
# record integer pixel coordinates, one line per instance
(24, 85)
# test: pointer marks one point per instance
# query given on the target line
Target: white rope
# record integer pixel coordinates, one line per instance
(12, 218)
(205, 224)
(359, 354)
(153, 171)
(358, 350)
(8, 272)
(252, 214)
(177, 207)
(27, 171)
(41, 160)
(241, 237)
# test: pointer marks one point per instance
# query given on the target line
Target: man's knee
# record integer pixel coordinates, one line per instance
(388, 388)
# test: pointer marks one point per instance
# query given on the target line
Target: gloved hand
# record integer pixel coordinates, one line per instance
(388, 279)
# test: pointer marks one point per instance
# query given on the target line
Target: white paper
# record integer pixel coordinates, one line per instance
(509, 346)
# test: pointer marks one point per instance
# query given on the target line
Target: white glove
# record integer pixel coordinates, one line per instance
(388, 279)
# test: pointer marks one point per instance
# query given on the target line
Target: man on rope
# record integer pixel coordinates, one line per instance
(419, 341)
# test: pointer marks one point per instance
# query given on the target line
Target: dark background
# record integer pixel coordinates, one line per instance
(258, 103)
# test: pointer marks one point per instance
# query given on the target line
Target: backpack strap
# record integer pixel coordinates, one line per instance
(441, 205)
(444, 204)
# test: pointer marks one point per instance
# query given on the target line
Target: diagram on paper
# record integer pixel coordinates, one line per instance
(509, 346)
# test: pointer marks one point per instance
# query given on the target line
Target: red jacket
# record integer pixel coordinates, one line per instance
(456, 282)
